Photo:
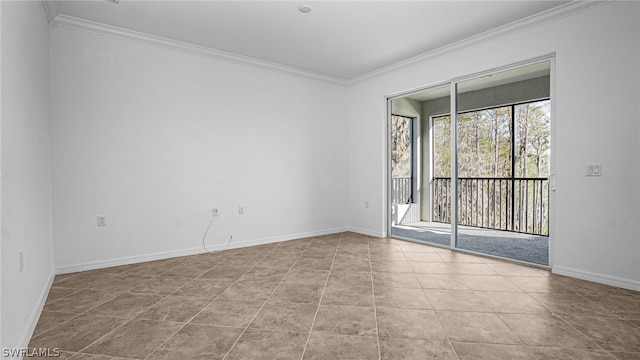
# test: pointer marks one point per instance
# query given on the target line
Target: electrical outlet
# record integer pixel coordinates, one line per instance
(593, 169)
(240, 210)
(215, 212)
(102, 220)
(21, 260)
(366, 204)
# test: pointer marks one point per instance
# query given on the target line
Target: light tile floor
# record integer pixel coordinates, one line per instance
(343, 296)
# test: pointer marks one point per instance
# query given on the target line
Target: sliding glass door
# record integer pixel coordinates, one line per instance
(503, 153)
(480, 177)
(412, 135)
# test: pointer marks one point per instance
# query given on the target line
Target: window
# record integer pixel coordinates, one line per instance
(402, 159)
(503, 167)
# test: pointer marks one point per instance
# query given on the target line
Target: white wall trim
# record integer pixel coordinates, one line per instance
(27, 333)
(176, 45)
(598, 278)
(101, 264)
(378, 234)
(556, 13)
(49, 10)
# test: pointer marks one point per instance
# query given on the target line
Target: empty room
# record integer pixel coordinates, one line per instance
(320, 180)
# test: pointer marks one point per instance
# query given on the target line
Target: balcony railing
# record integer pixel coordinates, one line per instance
(402, 190)
(512, 204)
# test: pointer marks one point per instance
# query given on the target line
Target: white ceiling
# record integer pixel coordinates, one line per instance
(338, 40)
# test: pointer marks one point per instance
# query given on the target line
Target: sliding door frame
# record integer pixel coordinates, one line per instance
(418, 168)
(453, 85)
(454, 151)
(453, 93)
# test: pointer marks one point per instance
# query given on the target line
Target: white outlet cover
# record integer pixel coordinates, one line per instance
(593, 169)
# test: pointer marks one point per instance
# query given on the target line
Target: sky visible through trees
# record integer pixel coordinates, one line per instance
(401, 149)
(484, 142)
(503, 165)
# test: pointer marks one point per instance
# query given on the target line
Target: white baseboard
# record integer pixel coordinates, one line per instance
(27, 333)
(378, 234)
(599, 278)
(101, 264)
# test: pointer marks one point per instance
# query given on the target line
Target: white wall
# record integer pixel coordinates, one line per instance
(154, 139)
(26, 170)
(595, 232)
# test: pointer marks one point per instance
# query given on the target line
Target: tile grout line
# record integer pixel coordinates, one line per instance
(212, 300)
(133, 318)
(175, 332)
(230, 285)
(324, 288)
(76, 315)
(435, 314)
(496, 314)
(128, 320)
(561, 318)
(373, 294)
(265, 302)
(94, 307)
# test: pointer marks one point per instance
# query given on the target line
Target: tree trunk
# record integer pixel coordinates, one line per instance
(523, 143)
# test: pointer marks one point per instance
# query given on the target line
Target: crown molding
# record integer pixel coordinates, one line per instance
(568, 9)
(181, 46)
(49, 10)
(550, 15)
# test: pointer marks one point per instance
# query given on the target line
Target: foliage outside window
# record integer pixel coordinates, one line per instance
(401, 146)
(484, 142)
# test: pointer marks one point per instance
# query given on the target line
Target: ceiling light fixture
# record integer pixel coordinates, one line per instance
(304, 8)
